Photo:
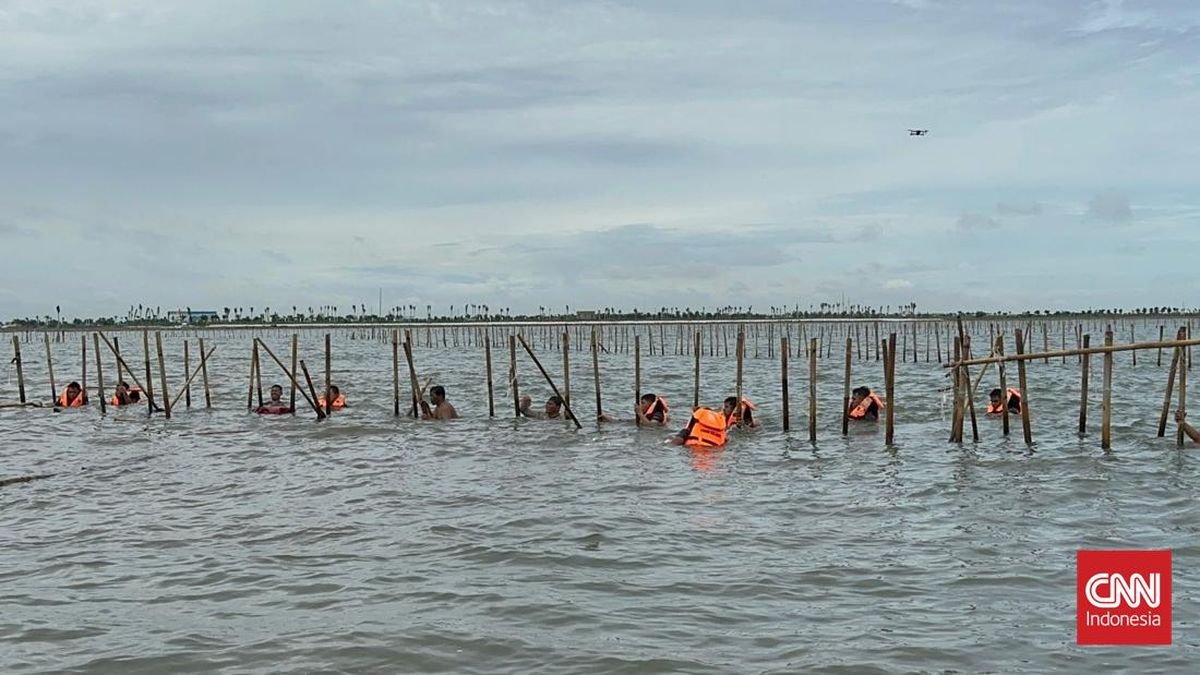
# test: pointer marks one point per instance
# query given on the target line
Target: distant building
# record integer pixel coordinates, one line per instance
(192, 316)
(586, 315)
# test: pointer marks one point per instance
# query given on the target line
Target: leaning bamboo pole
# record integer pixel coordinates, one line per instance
(1106, 408)
(1027, 356)
(99, 374)
(1025, 422)
(1166, 407)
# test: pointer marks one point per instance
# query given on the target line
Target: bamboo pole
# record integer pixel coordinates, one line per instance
(965, 339)
(1106, 409)
(1133, 339)
(1085, 373)
(890, 380)
(1158, 362)
(149, 377)
(129, 371)
(50, 369)
(412, 379)
(956, 418)
(253, 370)
(20, 371)
(999, 349)
(812, 391)
(329, 375)
(83, 359)
(99, 375)
(596, 372)
(740, 348)
(487, 354)
(783, 367)
(396, 373)
(512, 373)
(1183, 369)
(1075, 352)
(637, 377)
(551, 382)
(1166, 407)
(566, 352)
(696, 374)
(187, 386)
(846, 387)
(162, 374)
(294, 383)
(312, 398)
(1025, 426)
(191, 376)
(204, 375)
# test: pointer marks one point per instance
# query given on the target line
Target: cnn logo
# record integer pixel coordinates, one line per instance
(1123, 597)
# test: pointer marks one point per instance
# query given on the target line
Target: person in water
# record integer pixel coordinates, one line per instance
(739, 416)
(275, 406)
(705, 430)
(72, 397)
(996, 407)
(125, 395)
(865, 405)
(1189, 430)
(651, 410)
(339, 399)
(552, 410)
(441, 409)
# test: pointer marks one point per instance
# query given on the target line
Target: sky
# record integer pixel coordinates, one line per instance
(615, 153)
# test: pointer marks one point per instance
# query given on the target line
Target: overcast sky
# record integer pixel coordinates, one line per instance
(212, 153)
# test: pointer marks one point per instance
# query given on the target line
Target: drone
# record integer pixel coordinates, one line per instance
(918, 132)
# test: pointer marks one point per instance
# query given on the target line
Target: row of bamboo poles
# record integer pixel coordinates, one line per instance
(960, 368)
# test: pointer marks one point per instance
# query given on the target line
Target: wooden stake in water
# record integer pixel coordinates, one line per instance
(783, 368)
(487, 354)
(1166, 407)
(99, 374)
(1084, 375)
(999, 349)
(696, 374)
(412, 378)
(396, 372)
(162, 374)
(312, 398)
(1183, 369)
(149, 377)
(1161, 330)
(566, 352)
(512, 374)
(637, 377)
(50, 369)
(1106, 409)
(253, 370)
(291, 375)
(191, 376)
(812, 391)
(83, 359)
(129, 371)
(846, 389)
(596, 372)
(204, 374)
(329, 377)
(1025, 426)
(741, 354)
(890, 384)
(20, 371)
(294, 383)
(187, 387)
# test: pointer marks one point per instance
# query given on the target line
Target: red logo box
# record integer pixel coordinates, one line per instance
(1123, 597)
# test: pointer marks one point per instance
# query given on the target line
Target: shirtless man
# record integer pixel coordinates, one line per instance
(553, 409)
(275, 406)
(441, 409)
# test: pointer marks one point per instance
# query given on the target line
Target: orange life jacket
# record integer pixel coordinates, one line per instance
(859, 411)
(338, 403)
(77, 402)
(999, 409)
(659, 404)
(735, 417)
(708, 429)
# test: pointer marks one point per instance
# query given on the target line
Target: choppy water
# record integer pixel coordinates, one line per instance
(219, 540)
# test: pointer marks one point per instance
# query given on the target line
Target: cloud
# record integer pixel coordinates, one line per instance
(897, 284)
(976, 222)
(1110, 207)
(1019, 209)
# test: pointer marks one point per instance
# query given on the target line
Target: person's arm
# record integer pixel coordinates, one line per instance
(1188, 429)
(426, 413)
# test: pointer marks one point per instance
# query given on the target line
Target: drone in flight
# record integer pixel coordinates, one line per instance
(918, 132)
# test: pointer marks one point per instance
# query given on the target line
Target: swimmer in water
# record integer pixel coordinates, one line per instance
(125, 395)
(739, 416)
(441, 409)
(865, 405)
(275, 406)
(339, 399)
(651, 410)
(995, 407)
(72, 397)
(552, 411)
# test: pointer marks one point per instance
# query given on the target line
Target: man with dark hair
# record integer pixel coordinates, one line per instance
(72, 397)
(275, 406)
(865, 405)
(441, 409)
(996, 405)
(739, 415)
(553, 410)
(651, 410)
